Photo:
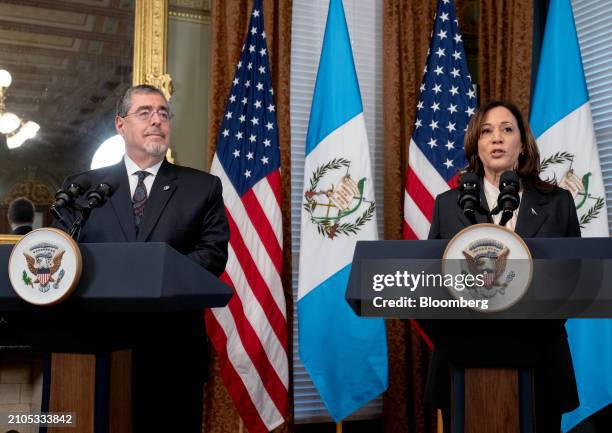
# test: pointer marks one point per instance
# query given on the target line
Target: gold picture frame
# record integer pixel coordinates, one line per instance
(150, 45)
(9, 239)
(151, 48)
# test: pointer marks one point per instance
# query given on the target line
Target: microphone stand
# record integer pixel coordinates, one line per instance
(506, 216)
(75, 230)
(470, 215)
(95, 199)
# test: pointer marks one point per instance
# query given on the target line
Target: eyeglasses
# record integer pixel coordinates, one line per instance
(145, 114)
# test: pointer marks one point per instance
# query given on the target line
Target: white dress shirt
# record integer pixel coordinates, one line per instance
(491, 193)
(132, 168)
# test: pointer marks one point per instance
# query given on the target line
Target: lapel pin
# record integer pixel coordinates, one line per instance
(167, 187)
(533, 211)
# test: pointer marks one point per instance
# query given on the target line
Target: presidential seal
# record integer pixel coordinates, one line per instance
(497, 258)
(341, 208)
(45, 266)
(488, 258)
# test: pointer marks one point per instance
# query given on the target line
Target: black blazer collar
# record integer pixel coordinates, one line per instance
(532, 212)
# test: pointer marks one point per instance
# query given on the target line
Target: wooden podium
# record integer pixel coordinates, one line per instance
(491, 400)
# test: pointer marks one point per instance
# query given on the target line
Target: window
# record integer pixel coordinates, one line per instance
(595, 36)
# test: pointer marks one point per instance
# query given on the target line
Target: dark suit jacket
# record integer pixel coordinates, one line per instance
(22, 230)
(540, 215)
(184, 209)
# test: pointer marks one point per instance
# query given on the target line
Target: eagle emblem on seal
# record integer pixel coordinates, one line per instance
(488, 258)
(44, 261)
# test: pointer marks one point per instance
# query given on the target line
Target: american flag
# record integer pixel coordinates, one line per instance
(250, 334)
(446, 103)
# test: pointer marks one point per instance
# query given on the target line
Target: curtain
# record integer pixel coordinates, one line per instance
(406, 29)
(406, 36)
(505, 36)
(229, 25)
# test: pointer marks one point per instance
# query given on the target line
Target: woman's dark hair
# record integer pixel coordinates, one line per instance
(529, 159)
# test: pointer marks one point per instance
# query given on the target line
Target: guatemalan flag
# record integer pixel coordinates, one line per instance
(345, 355)
(561, 121)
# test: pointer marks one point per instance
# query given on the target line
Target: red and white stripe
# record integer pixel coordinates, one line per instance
(250, 334)
(423, 184)
(44, 278)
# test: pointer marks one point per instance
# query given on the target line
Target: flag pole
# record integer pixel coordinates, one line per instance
(440, 422)
(339, 427)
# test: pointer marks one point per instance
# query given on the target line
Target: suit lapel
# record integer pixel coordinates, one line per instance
(161, 191)
(532, 213)
(122, 202)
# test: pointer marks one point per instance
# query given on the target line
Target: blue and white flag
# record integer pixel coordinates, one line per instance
(562, 123)
(345, 355)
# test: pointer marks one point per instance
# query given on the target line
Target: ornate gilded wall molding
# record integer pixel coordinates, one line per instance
(150, 45)
(194, 11)
(190, 17)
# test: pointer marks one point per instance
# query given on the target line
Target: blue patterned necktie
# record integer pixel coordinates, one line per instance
(140, 197)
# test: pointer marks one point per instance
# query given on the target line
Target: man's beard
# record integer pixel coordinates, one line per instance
(156, 149)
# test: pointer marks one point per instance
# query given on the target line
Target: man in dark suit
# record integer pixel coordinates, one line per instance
(156, 201)
(21, 216)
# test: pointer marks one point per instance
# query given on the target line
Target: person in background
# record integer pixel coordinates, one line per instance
(21, 216)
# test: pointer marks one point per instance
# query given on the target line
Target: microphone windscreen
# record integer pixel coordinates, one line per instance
(112, 184)
(509, 177)
(83, 182)
(469, 177)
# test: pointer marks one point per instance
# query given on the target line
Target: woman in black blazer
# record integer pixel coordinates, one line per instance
(498, 140)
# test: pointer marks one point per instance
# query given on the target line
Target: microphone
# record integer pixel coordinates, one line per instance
(469, 195)
(508, 200)
(65, 198)
(97, 197)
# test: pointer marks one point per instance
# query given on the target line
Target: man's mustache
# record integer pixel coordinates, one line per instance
(155, 132)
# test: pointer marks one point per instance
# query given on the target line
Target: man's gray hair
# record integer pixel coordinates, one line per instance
(125, 103)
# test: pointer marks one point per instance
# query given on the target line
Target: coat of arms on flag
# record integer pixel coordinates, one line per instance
(341, 208)
(589, 204)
